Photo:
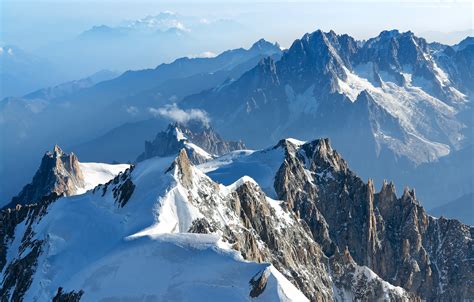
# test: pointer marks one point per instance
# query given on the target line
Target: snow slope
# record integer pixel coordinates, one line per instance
(98, 173)
(142, 251)
(428, 126)
(260, 165)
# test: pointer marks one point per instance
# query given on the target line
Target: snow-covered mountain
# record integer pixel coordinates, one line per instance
(390, 84)
(287, 223)
(201, 142)
(389, 104)
(100, 117)
(144, 42)
(395, 106)
(166, 21)
(61, 173)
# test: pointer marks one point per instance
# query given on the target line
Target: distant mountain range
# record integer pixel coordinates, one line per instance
(23, 72)
(123, 102)
(144, 42)
(394, 105)
(391, 86)
(461, 208)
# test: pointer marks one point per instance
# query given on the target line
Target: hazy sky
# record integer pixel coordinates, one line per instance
(32, 24)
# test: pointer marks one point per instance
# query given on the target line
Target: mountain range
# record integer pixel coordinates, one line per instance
(125, 101)
(22, 72)
(162, 38)
(390, 104)
(290, 222)
(395, 106)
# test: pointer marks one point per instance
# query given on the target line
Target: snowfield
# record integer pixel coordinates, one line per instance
(259, 165)
(410, 106)
(142, 252)
(98, 173)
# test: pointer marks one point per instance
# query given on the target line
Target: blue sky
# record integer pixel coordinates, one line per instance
(33, 23)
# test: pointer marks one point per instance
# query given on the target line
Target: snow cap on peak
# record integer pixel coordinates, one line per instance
(240, 182)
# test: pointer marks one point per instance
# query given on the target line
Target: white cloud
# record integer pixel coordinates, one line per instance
(181, 26)
(206, 54)
(132, 110)
(176, 114)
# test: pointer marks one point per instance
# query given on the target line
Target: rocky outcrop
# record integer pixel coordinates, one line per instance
(122, 187)
(356, 283)
(258, 284)
(263, 230)
(429, 257)
(178, 136)
(18, 273)
(62, 296)
(58, 173)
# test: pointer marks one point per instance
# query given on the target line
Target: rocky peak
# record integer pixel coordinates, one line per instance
(320, 49)
(183, 167)
(388, 193)
(392, 236)
(394, 52)
(57, 151)
(409, 195)
(263, 46)
(59, 173)
(314, 59)
(324, 157)
(200, 140)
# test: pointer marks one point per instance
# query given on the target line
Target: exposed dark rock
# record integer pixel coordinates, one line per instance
(359, 284)
(59, 172)
(17, 276)
(261, 234)
(121, 185)
(71, 296)
(393, 236)
(258, 284)
(201, 226)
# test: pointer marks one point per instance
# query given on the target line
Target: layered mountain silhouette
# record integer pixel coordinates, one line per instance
(287, 223)
(394, 105)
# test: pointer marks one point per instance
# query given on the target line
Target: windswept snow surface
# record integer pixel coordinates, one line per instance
(260, 165)
(141, 252)
(97, 173)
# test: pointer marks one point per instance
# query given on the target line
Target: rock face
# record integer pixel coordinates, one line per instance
(263, 230)
(393, 236)
(18, 272)
(178, 136)
(58, 173)
(62, 174)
